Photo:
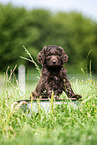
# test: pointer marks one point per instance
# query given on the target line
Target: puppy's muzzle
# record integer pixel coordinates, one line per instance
(54, 59)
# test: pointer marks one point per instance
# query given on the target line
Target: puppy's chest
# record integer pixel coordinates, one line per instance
(55, 79)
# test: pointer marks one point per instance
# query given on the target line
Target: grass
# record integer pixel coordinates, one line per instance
(65, 125)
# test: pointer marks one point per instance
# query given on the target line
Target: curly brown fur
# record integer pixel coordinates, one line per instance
(53, 74)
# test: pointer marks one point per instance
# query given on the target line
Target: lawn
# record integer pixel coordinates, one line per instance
(65, 125)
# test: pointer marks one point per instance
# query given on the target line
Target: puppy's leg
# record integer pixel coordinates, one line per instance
(37, 92)
(34, 95)
(42, 89)
(68, 90)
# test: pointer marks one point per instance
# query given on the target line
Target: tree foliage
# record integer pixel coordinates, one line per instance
(35, 28)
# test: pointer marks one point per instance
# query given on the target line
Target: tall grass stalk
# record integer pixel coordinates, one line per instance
(39, 107)
(86, 63)
(31, 102)
(31, 60)
(52, 103)
(90, 69)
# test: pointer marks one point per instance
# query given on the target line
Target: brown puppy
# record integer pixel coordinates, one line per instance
(53, 74)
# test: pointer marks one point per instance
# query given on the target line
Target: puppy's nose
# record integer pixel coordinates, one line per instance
(54, 61)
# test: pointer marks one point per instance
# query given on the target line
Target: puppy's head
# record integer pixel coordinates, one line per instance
(52, 56)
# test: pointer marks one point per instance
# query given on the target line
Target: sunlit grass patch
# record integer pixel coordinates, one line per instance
(85, 87)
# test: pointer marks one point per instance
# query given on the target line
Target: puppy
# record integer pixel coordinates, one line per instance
(53, 74)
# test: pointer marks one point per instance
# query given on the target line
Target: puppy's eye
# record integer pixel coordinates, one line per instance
(58, 53)
(58, 56)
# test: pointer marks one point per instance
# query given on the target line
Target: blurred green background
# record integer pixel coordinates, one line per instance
(76, 33)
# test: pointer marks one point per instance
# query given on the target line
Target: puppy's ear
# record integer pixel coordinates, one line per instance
(64, 56)
(41, 56)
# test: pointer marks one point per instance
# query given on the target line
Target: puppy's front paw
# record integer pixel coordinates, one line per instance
(77, 96)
